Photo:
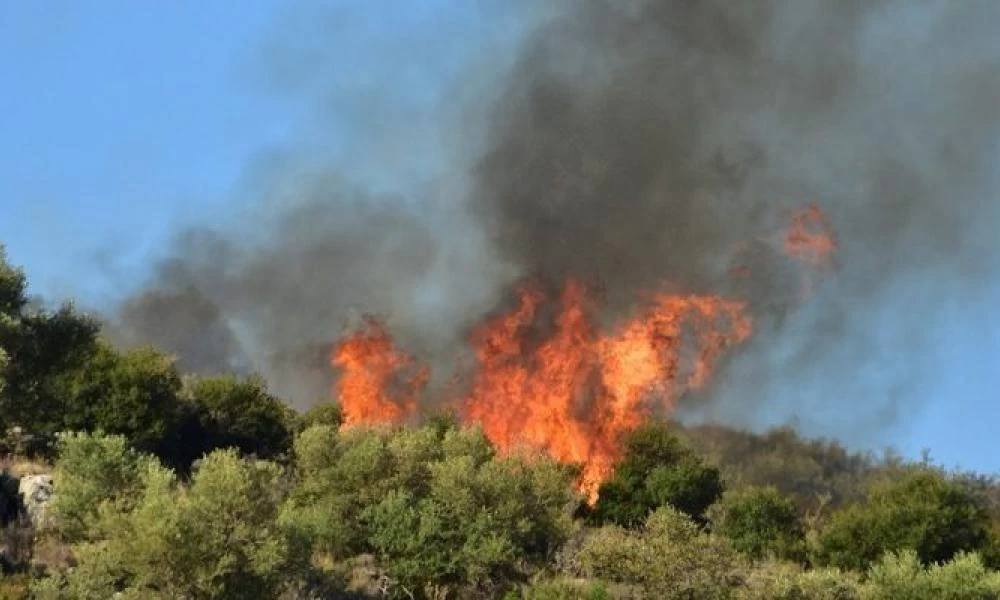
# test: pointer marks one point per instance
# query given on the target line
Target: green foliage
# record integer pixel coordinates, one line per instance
(13, 287)
(132, 393)
(435, 506)
(39, 350)
(241, 413)
(902, 577)
(921, 510)
(94, 470)
(760, 523)
(433, 512)
(217, 538)
(564, 589)
(4, 362)
(338, 475)
(668, 558)
(815, 473)
(785, 581)
(322, 413)
(657, 469)
(37, 346)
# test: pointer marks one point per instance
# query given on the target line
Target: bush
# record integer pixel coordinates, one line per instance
(760, 523)
(922, 510)
(564, 589)
(242, 414)
(787, 581)
(217, 538)
(37, 348)
(91, 471)
(15, 586)
(435, 506)
(669, 558)
(134, 394)
(657, 469)
(322, 413)
(901, 576)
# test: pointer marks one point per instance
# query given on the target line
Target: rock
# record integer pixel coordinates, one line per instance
(36, 492)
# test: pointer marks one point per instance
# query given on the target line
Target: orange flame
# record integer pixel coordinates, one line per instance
(374, 386)
(573, 392)
(810, 238)
(548, 380)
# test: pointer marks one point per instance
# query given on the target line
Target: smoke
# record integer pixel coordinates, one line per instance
(647, 140)
(276, 300)
(637, 144)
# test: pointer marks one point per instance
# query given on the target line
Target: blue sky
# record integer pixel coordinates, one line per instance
(121, 120)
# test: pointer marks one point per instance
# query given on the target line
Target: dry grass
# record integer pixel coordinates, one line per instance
(19, 466)
(15, 587)
(50, 554)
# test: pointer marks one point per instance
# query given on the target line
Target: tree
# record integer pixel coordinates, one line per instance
(4, 361)
(901, 575)
(133, 393)
(669, 557)
(38, 346)
(241, 413)
(91, 471)
(217, 538)
(337, 476)
(760, 523)
(434, 505)
(785, 581)
(923, 510)
(475, 526)
(322, 413)
(657, 469)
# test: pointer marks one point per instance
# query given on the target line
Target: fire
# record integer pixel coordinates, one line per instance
(570, 392)
(810, 238)
(576, 392)
(378, 383)
(547, 379)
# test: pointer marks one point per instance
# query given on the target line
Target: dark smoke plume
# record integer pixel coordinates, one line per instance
(640, 144)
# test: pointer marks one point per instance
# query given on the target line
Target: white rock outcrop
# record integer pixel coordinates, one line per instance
(36, 493)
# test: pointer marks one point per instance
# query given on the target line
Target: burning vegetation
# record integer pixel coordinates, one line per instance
(548, 378)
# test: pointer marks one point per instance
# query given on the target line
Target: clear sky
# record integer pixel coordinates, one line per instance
(120, 120)
(100, 103)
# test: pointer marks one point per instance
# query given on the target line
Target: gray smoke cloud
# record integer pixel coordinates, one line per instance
(640, 144)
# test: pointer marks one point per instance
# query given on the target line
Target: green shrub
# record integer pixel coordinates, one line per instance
(760, 523)
(240, 413)
(788, 581)
(657, 469)
(563, 589)
(134, 394)
(322, 413)
(901, 576)
(668, 558)
(93, 470)
(435, 506)
(922, 510)
(217, 538)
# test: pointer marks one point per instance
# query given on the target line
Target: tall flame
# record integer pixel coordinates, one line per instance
(573, 392)
(547, 379)
(378, 383)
